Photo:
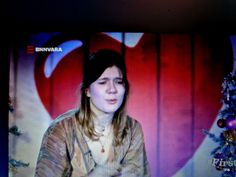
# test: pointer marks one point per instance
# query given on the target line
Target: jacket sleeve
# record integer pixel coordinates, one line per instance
(135, 163)
(53, 160)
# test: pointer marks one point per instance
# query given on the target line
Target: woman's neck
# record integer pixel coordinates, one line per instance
(101, 118)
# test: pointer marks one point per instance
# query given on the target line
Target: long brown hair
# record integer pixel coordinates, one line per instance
(94, 66)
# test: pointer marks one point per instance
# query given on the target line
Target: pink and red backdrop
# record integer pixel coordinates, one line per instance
(175, 90)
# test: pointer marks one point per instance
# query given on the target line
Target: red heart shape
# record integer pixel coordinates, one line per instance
(172, 100)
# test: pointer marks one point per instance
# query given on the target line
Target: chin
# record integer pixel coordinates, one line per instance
(110, 111)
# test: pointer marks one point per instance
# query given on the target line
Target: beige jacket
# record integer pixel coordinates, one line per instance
(65, 153)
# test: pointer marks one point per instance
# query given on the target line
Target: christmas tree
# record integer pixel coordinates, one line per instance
(13, 163)
(224, 155)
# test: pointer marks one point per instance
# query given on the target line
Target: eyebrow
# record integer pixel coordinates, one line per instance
(107, 78)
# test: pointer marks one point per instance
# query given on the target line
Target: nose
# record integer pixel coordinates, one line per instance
(111, 87)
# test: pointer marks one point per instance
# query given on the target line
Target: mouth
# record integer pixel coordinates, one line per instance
(112, 101)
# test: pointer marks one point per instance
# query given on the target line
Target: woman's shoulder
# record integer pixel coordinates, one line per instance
(132, 122)
(60, 128)
(65, 119)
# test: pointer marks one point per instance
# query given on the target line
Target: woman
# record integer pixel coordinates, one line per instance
(98, 139)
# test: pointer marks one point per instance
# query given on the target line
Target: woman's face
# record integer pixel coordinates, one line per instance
(107, 92)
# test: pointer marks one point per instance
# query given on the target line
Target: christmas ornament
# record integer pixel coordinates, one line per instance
(231, 123)
(221, 123)
(230, 136)
(224, 158)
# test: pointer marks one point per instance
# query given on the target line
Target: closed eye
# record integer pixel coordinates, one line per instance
(102, 82)
(119, 81)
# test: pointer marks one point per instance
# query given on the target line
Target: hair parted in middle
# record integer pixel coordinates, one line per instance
(94, 66)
